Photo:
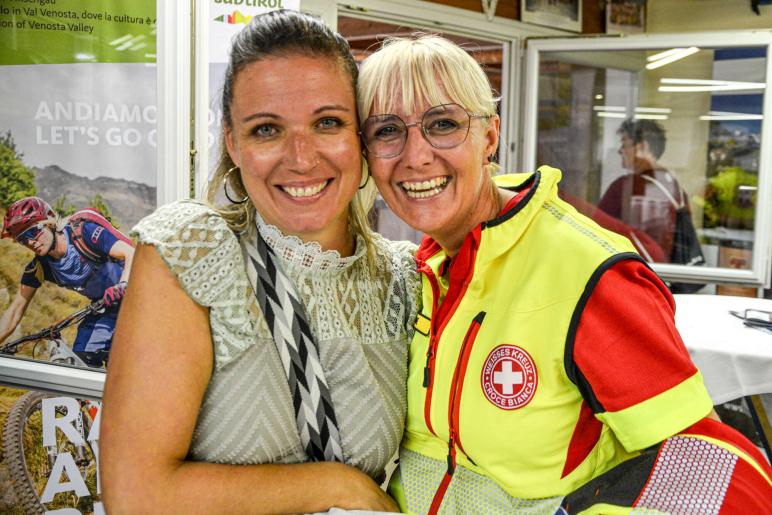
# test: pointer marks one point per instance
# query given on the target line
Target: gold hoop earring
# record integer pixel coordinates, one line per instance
(367, 179)
(225, 187)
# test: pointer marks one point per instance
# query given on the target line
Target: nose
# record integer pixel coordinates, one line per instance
(417, 151)
(301, 153)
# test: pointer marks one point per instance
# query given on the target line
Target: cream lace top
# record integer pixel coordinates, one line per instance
(362, 320)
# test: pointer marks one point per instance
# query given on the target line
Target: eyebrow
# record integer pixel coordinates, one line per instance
(331, 107)
(258, 115)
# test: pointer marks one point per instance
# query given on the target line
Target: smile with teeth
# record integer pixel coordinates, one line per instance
(424, 189)
(307, 191)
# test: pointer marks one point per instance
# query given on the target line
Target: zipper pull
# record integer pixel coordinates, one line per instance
(426, 367)
(451, 456)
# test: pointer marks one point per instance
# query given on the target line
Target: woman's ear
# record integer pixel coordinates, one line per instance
(231, 145)
(492, 133)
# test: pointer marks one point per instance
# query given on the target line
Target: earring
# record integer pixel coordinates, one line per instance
(367, 179)
(225, 187)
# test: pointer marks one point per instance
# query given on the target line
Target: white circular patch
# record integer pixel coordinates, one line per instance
(509, 377)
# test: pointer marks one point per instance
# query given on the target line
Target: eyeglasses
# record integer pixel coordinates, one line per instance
(443, 126)
(755, 318)
(30, 234)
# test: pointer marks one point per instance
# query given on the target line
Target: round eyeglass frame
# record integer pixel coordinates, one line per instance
(423, 130)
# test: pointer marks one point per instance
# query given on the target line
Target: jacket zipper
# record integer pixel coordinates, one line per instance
(454, 408)
(431, 349)
(437, 326)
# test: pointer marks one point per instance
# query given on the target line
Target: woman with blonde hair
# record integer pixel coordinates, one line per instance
(260, 358)
(546, 373)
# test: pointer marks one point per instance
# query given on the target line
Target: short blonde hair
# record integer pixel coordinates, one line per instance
(409, 70)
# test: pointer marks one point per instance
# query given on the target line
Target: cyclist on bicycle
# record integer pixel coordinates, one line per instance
(89, 257)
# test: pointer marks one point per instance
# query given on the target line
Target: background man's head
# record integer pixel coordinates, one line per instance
(642, 142)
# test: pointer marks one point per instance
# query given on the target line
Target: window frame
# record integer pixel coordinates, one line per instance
(759, 273)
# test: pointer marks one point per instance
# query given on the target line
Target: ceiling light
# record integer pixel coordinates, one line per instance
(730, 117)
(662, 55)
(675, 56)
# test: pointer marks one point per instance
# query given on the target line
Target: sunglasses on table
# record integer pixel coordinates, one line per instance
(755, 318)
(443, 126)
(31, 233)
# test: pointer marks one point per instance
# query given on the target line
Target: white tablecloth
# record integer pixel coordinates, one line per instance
(735, 360)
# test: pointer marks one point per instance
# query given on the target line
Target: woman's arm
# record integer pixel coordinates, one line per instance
(124, 252)
(160, 365)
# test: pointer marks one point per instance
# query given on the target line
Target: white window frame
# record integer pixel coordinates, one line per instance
(173, 98)
(759, 274)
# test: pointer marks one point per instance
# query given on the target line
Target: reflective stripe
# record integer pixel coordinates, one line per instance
(690, 476)
(468, 493)
(637, 426)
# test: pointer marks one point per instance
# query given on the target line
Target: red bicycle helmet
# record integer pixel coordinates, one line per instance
(25, 213)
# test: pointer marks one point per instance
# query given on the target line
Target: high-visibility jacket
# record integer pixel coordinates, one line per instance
(494, 396)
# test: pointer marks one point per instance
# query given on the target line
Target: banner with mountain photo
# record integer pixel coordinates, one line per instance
(77, 131)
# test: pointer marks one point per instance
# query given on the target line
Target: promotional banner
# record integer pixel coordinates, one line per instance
(77, 171)
(50, 451)
(227, 18)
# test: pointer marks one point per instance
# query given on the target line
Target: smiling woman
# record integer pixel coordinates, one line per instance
(279, 322)
(546, 374)
(300, 160)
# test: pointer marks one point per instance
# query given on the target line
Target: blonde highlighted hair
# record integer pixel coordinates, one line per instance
(407, 71)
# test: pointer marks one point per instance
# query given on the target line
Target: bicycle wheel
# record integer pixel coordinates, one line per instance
(27, 459)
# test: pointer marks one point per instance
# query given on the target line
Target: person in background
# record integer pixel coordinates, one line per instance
(199, 345)
(85, 254)
(546, 373)
(644, 197)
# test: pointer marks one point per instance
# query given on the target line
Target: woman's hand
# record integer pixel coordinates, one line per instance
(358, 491)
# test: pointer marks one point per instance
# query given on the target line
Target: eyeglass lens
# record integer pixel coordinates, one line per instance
(444, 126)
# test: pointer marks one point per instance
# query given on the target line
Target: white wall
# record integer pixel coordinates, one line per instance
(703, 15)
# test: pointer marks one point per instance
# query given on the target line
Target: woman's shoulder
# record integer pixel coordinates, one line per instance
(195, 242)
(184, 223)
(399, 256)
(177, 217)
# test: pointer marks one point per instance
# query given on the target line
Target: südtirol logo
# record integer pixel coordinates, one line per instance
(269, 4)
(509, 377)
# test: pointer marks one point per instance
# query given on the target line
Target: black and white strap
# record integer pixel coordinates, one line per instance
(297, 348)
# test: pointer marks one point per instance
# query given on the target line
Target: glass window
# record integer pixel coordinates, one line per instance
(653, 142)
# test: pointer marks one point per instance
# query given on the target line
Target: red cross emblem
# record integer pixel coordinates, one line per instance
(509, 377)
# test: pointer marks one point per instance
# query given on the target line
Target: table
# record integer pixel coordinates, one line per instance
(735, 360)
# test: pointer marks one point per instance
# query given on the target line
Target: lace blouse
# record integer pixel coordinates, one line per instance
(361, 316)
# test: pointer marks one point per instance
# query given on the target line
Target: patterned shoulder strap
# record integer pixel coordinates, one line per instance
(297, 348)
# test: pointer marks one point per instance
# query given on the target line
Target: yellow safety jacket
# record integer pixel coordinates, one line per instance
(493, 394)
